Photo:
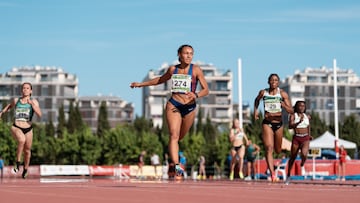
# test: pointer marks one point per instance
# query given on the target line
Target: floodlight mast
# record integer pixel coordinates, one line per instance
(240, 107)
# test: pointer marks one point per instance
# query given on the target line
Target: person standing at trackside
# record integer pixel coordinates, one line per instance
(237, 137)
(252, 150)
(275, 100)
(2, 167)
(183, 162)
(300, 122)
(180, 108)
(202, 168)
(342, 162)
(155, 161)
(22, 129)
(141, 163)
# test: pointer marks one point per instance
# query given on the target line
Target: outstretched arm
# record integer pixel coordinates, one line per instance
(155, 81)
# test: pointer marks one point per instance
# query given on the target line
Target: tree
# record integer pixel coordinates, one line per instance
(142, 124)
(351, 129)
(49, 128)
(318, 127)
(75, 121)
(193, 147)
(61, 121)
(70, 148)
(7, 144)
(209, 131)
(103, 123)
(78, 118)
(71, 123)
(199, 125)
(120, 146)
(90, 147)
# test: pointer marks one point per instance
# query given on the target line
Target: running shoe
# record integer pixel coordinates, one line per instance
(248, 178)
(303, 171)
(17, 167)
(287, 181)
(274, 179)
(241, 175)
(179, 170)
(25, 173)
(231, 177)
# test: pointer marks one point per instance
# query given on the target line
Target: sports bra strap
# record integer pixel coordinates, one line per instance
(190, 69)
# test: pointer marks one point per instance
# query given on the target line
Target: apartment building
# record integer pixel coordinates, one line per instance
(118, 110)
(246, 112)
(316, 87)
(53, 87)
(217, 105)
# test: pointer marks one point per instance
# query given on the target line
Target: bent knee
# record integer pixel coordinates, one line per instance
(174, 136)
(269, 149)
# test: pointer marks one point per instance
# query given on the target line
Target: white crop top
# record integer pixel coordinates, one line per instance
(304, 124)
(239, 135)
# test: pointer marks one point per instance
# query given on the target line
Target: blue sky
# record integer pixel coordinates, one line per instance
(110, 43)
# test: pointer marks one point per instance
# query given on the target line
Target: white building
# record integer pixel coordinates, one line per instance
(316, 87)
(118, 110)
(53, 87)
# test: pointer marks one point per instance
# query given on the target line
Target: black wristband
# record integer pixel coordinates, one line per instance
(197, 96)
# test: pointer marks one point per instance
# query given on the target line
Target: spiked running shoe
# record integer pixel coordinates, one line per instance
(179, 170)
(231, 177)
(25, 173)
(17, 167)
(274, 179)
(287, 181)
(241, 175)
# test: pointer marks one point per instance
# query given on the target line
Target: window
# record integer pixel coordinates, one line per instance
(48, 102)
(44, 77)
(85, 104)
(221, 113)
(222, 99)
(44, 91)
(313, 105)
(329, 104)
(221, 86)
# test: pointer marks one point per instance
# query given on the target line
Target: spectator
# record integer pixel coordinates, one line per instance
(182, 161)
(140, 164)
(155, 161)
(202, 168)
(342, 162)
(1, 167)
(251, 152)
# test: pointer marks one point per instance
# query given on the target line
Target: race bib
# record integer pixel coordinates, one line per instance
(22, 114)
(181, 83)
(273, 107)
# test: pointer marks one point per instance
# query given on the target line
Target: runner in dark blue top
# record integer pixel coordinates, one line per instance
(180, 114)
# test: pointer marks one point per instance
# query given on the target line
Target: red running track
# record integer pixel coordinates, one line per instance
(128, 191)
